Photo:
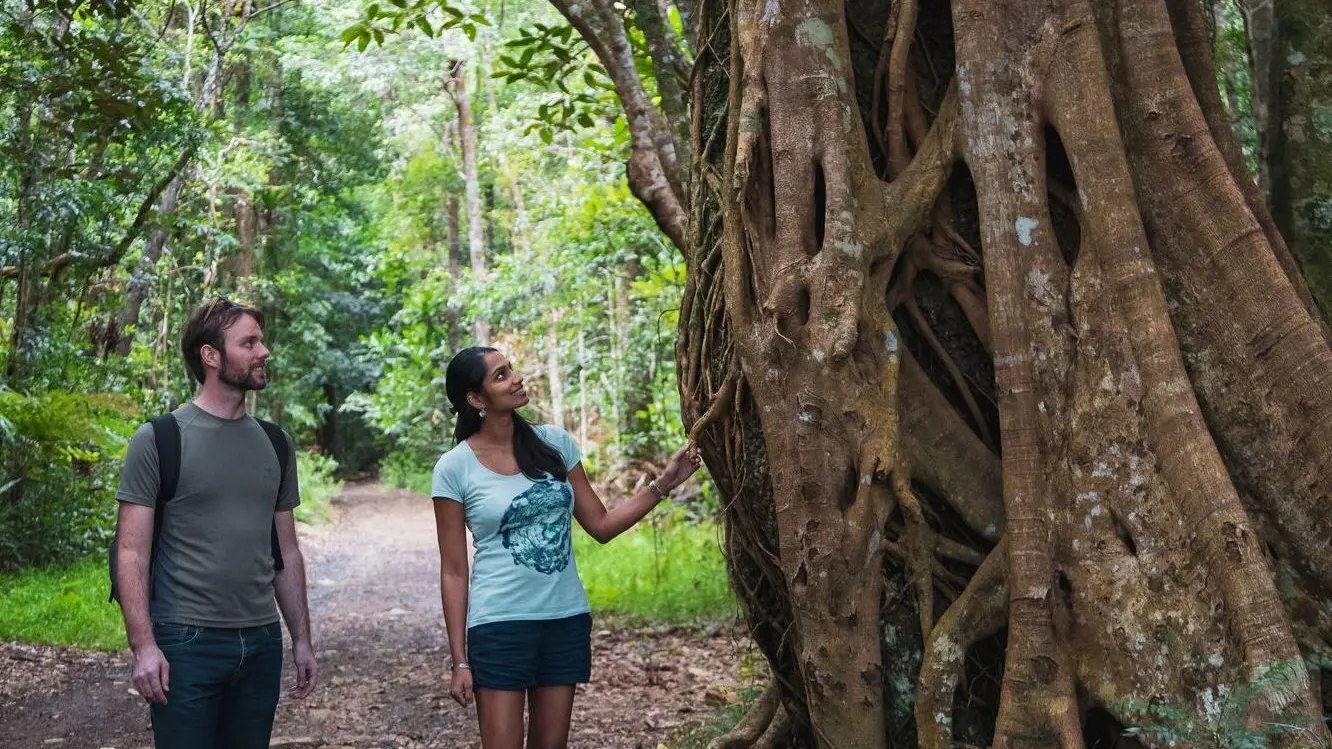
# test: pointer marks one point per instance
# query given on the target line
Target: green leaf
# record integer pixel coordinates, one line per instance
(585, 120)
(526, 57)
(363, 42)
(470, 30)
(589, 79)
(452, 10)
(351, 33)
(546, 136)
(478, 18)
(379, 37)
(372, 11)
(424, 26)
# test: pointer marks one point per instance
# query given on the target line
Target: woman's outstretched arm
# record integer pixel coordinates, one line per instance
(451, 530)
(603, 524)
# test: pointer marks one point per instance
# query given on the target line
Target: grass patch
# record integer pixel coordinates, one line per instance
(318, 487)
(664, 570)
(61, 606)
(67, 605)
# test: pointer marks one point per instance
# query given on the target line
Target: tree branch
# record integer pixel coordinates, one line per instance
(667, 61)
(57, 263)
(654, 170)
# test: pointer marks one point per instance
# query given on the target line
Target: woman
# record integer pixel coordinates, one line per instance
(522, 632)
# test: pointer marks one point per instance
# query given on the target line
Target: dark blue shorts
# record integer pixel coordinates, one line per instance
(521, 655)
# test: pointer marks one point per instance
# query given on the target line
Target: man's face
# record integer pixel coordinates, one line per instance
(244, 355)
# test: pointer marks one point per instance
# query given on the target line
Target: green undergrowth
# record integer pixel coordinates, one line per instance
(64, 605)
(664, 570)
(318, 487)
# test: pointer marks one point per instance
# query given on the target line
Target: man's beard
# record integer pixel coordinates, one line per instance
(244, 379)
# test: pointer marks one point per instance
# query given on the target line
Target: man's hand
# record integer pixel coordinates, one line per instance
(307, 672)
(461, 687)
(151, 674)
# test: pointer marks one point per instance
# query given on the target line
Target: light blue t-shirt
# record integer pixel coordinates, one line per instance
(523, 568)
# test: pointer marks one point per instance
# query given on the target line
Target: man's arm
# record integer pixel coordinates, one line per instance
(289, 584)
(134, 546)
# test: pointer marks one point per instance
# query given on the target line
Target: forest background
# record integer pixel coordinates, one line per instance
(387, 186)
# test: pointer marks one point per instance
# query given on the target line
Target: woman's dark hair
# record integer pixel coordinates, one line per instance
(466, 373)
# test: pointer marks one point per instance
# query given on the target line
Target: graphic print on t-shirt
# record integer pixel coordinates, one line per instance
(536, 527)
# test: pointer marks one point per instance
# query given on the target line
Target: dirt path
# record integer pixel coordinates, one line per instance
(373, 578)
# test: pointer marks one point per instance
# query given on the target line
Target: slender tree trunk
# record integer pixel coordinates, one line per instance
(268, 216)
(1300, 165)
(244, 214)
(142, 278)
(457, 87)
(1265, 70)
(553, 369)
(454, 250)
(637, 362)
(582, 390)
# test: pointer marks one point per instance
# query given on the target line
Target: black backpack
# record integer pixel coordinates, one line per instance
(167, 434)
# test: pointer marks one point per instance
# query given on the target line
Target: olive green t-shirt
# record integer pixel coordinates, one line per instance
(214, 564)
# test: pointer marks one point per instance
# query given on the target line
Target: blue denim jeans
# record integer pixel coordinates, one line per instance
(223, 686)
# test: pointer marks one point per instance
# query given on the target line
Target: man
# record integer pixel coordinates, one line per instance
(203, 626)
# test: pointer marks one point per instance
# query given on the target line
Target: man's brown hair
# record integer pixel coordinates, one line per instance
(208, 325)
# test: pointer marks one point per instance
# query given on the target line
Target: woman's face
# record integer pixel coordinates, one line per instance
(502, 390)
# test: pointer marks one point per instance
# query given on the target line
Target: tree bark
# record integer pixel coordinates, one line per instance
(1150, 542)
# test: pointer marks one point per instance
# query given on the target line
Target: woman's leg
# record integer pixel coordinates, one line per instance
(550, 709)
(500, 713)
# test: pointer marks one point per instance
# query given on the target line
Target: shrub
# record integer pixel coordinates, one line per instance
(60, 454)
(318, 487)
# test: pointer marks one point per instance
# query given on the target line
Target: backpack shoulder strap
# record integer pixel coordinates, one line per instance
(167, 434)
(280, 446)
(279, 440)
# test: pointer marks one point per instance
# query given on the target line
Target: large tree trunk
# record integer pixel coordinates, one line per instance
(1147, 544)
(1301, 132)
